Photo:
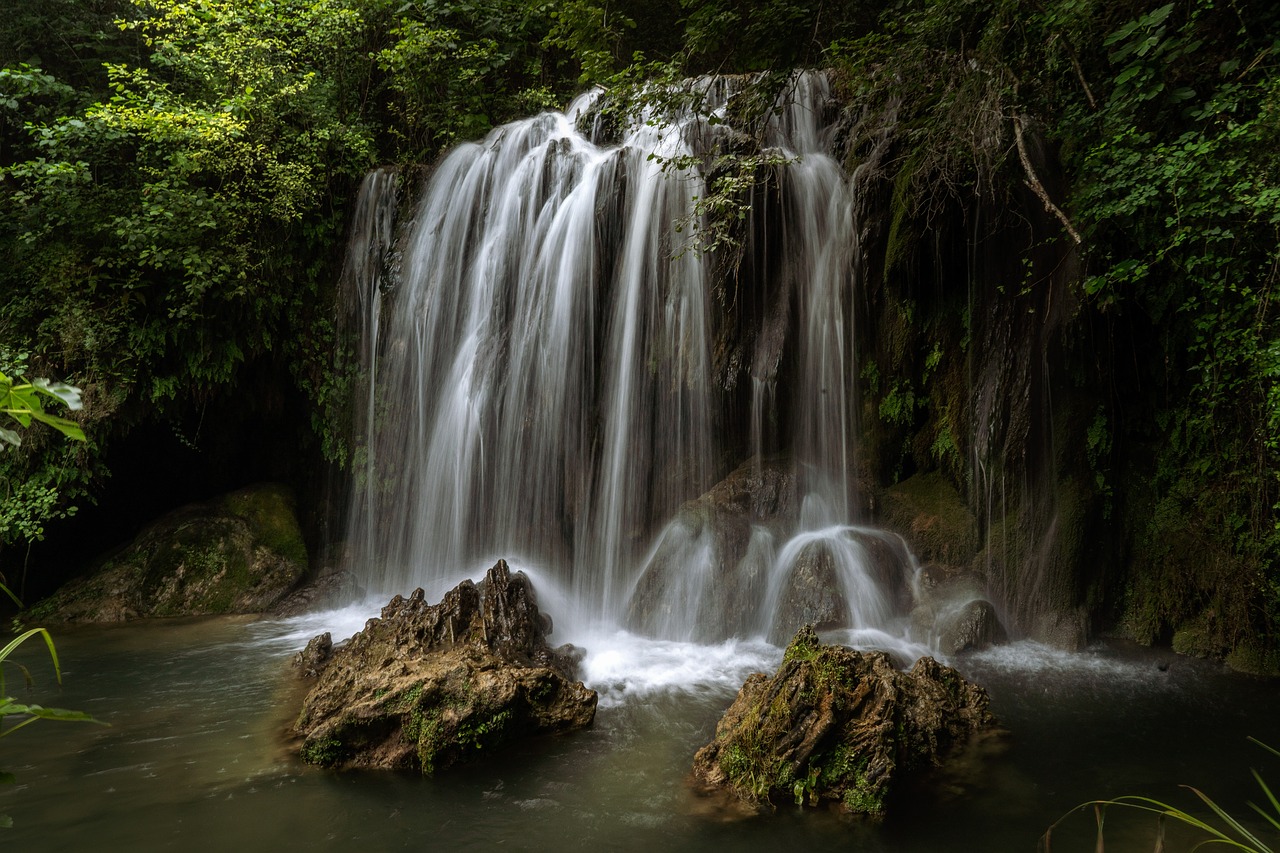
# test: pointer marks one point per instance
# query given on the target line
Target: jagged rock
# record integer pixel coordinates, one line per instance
(240, 553)
(315, 655)
(427, 686)
(838, 726)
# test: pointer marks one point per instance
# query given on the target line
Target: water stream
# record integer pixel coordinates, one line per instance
(543, 345)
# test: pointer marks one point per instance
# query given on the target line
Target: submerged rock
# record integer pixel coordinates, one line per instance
(240, 553)
(427, 686)
(839, 726)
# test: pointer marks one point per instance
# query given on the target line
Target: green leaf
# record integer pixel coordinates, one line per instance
(68, 394)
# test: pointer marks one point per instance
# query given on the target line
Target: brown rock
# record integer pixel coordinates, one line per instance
(427, 686)
(839, 726)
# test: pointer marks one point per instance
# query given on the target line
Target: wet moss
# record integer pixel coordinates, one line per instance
(323, 752)
(929, 511)
(271, 514)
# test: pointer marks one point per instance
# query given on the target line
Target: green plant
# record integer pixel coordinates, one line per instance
(11, 708)
(23, 403)
(1221, 828)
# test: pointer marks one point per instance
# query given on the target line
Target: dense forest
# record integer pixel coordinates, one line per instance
(1090, 189)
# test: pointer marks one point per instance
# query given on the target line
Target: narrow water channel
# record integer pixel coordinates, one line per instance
(195, 758)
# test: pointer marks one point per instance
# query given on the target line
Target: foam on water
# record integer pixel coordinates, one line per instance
(625, 668)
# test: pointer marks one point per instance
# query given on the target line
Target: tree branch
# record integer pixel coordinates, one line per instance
(1034, 182)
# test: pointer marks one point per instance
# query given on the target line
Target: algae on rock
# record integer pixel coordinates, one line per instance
(839, 726)
(240, 553)
(425, 686)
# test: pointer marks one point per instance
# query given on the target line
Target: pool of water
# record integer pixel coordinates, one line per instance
(196, 756)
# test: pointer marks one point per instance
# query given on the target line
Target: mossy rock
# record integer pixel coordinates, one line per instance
(929, 512)
(1254, 658)
(840, 727)
(240, 553)
(427, 686)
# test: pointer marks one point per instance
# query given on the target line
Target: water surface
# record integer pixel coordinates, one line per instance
(196, 757)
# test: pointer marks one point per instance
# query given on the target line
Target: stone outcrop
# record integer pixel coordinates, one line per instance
(240, 553)
(427, 686)
(838, 726)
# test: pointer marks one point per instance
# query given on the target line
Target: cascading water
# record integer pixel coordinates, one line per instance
(544, 384)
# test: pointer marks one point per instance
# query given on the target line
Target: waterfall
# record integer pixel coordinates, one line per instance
(548, 380)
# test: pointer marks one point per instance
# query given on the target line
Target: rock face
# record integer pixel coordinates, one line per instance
(838, 726)
(241, 553)
(427, 686)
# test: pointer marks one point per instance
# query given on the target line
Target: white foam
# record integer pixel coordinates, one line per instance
(623, 667)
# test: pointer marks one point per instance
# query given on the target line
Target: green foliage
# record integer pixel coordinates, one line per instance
(28, 503)
(1163, 122)
(23, 403)
(453, 70)
(592, 33)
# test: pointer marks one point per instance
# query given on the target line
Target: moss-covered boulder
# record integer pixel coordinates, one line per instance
(934, 519)
(838, 726)
(426, 686)
(240, 553)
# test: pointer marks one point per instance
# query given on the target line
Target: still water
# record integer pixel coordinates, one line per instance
(196, 758)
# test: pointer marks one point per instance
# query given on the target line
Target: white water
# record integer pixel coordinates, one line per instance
(541, 373)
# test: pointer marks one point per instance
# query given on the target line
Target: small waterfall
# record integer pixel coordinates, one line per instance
(544, 380)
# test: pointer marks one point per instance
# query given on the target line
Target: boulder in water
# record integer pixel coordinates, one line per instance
(953, 614)
(709, 571)
(427, 686)
(812, 595)
(839, 726)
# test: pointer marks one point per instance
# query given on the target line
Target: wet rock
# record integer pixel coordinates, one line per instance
(332, 588)
(424, 686)
(241, 553)
(710, 568)
(838, 726)
(953, 614)
(813, 595)
(876, 566)
(314, 656)
(972, 626)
